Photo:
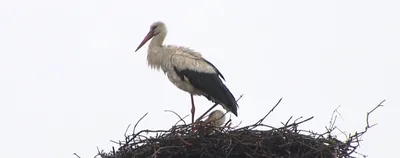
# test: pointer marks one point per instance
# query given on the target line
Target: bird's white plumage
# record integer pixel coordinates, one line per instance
(216, 118)
(169, 57)
(183, 58)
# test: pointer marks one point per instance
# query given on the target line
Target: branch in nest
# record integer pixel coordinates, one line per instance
(355, 138)
(134, 127)
(180, 118)
(77, 155)
(258, 123)
(261, 120)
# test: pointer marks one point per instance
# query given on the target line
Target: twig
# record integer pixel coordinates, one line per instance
(261, 120)
(180, 118)
(183, 118)
(227, 122)
(77, 155)
(204, 114)
(134, 128)
(184, 141)
(298, 118)
(99, 153)
(237, 125)
(332, 123)
(166, 147)
(287, 122)
(379, 105)
(119, 143)
(227, 155)
(355, 138)
(297, 123)
(258, 123)
(337, 111)
(368, 113)
(127, 129)
(147, 131)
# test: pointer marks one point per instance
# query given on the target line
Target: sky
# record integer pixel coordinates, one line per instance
(71, 81)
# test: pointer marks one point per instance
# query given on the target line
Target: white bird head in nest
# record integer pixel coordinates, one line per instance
(216, 118)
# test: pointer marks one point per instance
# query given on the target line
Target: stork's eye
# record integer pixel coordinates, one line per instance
(153, 27)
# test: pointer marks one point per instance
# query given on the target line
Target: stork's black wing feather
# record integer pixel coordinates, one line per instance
(212, 86)
(179, 73)
(215, 68)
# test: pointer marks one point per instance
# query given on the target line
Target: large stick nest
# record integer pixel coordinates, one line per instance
(256, 140)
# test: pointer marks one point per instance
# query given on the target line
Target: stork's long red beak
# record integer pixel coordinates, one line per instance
(147, 38)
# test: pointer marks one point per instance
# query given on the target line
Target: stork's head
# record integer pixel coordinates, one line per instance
(155, 29)
(216, 118)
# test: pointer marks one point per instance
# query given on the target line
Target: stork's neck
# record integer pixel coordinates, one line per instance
(158, 40)
(156, 55)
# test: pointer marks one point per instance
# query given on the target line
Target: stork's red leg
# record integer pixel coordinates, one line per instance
(193, 108)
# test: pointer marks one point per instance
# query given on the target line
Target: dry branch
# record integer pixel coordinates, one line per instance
(77, 155)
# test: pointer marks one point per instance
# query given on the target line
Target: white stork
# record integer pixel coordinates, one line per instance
(216, 118)
(187, 69)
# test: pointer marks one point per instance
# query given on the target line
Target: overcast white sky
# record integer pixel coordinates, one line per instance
(70, 80)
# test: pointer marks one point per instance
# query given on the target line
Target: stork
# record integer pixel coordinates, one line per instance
(187, 69)
(216, 118)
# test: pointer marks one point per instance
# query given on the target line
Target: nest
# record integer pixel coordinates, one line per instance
(256, 140)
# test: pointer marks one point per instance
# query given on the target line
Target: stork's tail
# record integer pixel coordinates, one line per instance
(224, 97)
(228, 100)
(212, 87)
